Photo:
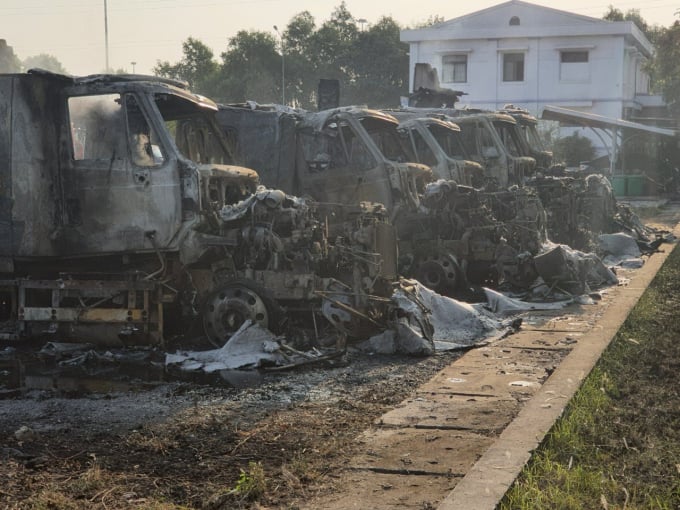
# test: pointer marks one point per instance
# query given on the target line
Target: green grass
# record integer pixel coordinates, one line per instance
(618, 444)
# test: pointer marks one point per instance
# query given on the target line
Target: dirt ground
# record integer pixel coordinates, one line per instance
(155, 445)
(249, 440)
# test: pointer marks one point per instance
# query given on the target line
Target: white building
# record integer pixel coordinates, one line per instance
(531, 56)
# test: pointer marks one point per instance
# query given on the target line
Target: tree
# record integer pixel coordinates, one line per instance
(666, 66)
(301, 72)
(372, 65)
(197, 67)
(332, 46)
(573, 149)
(251, 69)
(44, 61)
(650, 31)
(9, 62)
(380, 66)
(432, 19)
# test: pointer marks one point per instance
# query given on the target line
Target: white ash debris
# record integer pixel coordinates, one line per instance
(620, 249)
(503, 305)
(251, 346)
(564, 269)
(429, 322)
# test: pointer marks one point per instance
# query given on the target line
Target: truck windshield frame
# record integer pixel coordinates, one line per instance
(385, 137)
(112, 126)
(193, 129)
(450, 141)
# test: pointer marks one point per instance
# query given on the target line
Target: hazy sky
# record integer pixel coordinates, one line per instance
(145, 31)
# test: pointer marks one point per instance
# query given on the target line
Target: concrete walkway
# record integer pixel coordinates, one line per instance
(464, 436)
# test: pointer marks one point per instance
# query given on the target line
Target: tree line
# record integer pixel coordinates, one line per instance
(11, 63)
(370, 62)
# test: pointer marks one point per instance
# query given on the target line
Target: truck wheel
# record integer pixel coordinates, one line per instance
(440, 273)
(229, 307)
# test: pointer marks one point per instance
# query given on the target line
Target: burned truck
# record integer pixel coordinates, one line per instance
(576, 207)
(490, 138)
(339, 156)
(123, 219)
(507, 144)
(580, 205)
(492, 141)
(447, 234)
(437, 142)
(437, 139)
(527, 127)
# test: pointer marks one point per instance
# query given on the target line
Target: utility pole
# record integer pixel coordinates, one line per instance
(283, 67)
(106, 34)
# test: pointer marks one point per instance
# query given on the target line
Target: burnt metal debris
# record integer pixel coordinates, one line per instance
(132, 210)
(451, 233)
(481, 213)
(125, 220)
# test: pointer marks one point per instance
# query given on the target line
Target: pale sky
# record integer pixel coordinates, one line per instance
(145, 31)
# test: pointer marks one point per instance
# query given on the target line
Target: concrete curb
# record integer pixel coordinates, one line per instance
(485, 484)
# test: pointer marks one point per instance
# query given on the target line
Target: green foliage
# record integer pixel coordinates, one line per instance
(380, 66)
(251, 485)
(197, 67)
(573, 149)
(251, 69)
(44, 61)
(666, 65)
(618, 443)
(299, 60)
(432, 19)
(650, 31)
(371, 64)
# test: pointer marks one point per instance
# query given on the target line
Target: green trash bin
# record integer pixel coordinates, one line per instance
(619, 185)
(636, 185)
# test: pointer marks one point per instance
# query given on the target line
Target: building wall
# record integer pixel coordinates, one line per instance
(608, 83)
(612, 83)
(601, 85)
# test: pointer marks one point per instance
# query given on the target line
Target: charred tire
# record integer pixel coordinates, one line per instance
(226, 309)
(440, 273)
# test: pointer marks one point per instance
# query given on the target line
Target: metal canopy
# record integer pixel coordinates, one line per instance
(597, 121)
(609, 126)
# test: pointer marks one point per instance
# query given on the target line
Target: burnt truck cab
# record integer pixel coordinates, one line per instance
(348, 154)
(492, 140)
(122, 212)
(352, 154)
(125, 164)
(109, 184)
(436, 142)
(340, 156)
(527, 127)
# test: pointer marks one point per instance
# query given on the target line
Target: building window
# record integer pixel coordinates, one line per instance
(513, 66)
(454, 68)
(574, 66)
(514, 21)
(567, 57)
